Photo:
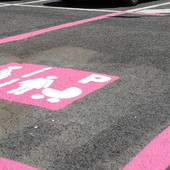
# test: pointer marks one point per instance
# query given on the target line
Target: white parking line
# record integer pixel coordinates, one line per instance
(156, 11)
(31, 2)
(79, 9)
(63, 8)
(24, 3)
(4, 5)
(149, 7)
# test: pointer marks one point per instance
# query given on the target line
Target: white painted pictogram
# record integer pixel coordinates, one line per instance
(95, 78)
(36, 72)
(9, 82)
(57, 95)
(28, 85)
(4, 73)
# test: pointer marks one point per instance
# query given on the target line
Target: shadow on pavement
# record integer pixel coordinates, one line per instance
(86, 4)
(100, 4)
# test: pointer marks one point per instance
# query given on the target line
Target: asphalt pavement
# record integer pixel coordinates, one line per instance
(110, 125)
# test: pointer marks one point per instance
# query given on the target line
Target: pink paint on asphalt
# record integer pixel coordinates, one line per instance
(35, 33)
(48, 87)
(155, 156)
(46, 30)
(6, 164)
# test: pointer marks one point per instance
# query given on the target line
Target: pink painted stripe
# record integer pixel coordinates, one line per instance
(155, 156)
(35, 33)
(46, 30)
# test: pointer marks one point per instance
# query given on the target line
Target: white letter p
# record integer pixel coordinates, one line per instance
(94, 78)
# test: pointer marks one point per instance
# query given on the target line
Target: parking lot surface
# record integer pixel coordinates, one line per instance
(85, 85)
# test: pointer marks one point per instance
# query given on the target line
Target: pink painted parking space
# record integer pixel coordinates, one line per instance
(48, 87)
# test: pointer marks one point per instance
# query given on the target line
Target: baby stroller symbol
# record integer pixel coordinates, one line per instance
(55, 96)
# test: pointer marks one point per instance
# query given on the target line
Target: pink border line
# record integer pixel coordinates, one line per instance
(42, 31)
(155, 156)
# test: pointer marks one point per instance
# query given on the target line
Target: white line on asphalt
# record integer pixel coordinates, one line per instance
(149, 7)
(156, 11)
(5, 5)
(31, 2)
(24, 3)
(63, 8)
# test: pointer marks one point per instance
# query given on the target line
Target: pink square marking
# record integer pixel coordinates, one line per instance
(48, 87)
